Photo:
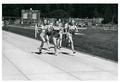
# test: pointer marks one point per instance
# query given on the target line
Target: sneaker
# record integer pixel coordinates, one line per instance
(48, 49)
(74, 52)
(39, 52)
(56, 53)
(58, 48)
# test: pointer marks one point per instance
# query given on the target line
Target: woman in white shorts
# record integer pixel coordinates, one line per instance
(70, 32)
(43, 36)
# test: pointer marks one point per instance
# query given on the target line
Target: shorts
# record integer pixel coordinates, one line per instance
(49, 33)
(56, 34)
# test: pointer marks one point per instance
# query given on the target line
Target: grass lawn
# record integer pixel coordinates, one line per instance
(96, 42)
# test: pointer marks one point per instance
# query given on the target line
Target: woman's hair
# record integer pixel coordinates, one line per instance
(45, 21)
(72, 22)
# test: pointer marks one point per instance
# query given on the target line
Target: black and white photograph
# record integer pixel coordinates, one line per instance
(60, 41)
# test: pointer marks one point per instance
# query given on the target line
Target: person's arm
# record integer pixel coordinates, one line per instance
(76, 28)
(36, 27)
(40, 27)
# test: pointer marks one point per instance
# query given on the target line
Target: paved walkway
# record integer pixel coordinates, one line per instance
(20, 62)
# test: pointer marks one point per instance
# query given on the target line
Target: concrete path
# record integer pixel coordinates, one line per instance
(20, 62)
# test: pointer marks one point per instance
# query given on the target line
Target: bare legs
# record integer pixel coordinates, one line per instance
(42, 43)
(71, 42)
(45, 39)
(55, 41)
(36, 33)
(60, 41)
(48, 43)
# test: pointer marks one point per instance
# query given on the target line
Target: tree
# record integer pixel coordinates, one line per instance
(107, 14)
(96, 13)
(59, 14)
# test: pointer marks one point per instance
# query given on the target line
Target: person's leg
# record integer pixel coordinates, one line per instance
(69, 39)
(55, 45)
(71, 42)
(35, 34)
(60, 41)
(41, 46)
(48, 43)
(42, 43)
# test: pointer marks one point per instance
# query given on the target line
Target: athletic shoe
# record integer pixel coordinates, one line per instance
(56, 53)
(39, 52)
(74, 52)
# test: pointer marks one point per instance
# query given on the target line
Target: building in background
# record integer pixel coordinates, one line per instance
(30, 16)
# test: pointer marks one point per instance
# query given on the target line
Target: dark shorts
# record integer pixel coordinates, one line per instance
(49, 33)
(64, 30)
(56, 33)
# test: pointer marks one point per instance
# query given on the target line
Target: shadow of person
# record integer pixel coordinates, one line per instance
(66, 53)
(51, 53)
(37, 52)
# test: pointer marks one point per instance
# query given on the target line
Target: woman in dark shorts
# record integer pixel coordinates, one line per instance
(49, 32)
(56, 36)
